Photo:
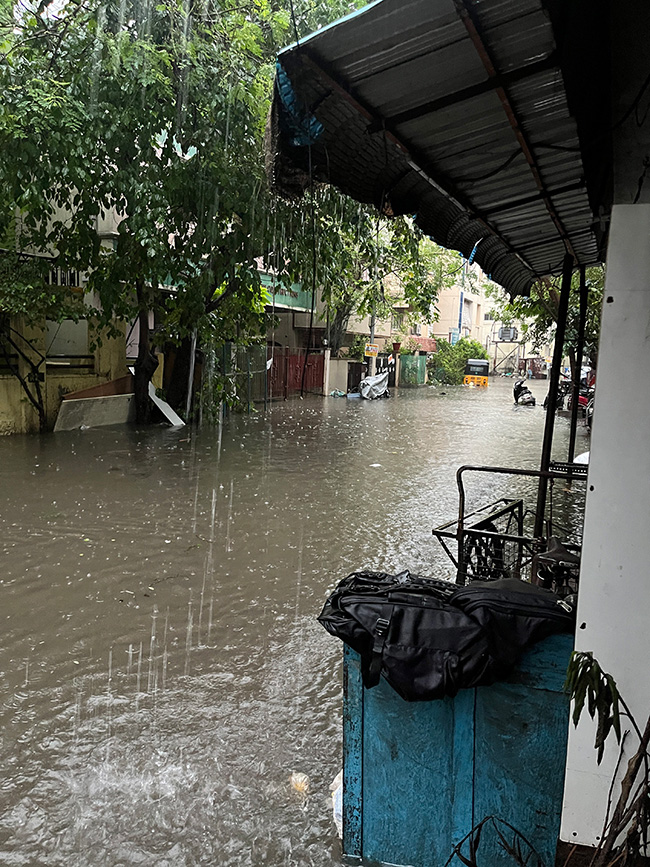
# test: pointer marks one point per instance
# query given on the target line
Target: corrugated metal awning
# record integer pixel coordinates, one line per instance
(453, 111)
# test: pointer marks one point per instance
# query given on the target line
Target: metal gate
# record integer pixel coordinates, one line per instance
(387, 362)
(413, 370)
(285, 376)
(356, 372)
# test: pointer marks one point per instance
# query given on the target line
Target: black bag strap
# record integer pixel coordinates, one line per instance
(373, 672)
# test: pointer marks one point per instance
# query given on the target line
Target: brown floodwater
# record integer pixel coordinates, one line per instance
(162, 673)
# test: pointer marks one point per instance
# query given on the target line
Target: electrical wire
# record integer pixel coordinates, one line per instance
(293, 21)
(632, 108)
(513, 156)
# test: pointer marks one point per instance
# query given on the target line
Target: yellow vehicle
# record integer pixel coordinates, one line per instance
(476, 372)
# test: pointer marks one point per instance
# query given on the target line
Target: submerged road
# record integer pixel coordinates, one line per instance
(162, 674)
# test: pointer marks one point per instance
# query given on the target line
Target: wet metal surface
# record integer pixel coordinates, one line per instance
(161, 671)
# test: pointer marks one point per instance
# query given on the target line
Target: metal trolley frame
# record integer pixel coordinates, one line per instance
(490, 540)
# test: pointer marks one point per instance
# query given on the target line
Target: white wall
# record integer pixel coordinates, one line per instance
(613, 607)
(338, 375)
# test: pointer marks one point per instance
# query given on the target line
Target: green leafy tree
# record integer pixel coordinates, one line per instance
(537, 314)
(152, 117)
(361, 264)
(151, 114)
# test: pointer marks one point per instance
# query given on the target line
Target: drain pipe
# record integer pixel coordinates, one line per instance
(567, 268)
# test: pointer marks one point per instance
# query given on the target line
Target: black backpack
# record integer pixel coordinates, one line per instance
(430, 638)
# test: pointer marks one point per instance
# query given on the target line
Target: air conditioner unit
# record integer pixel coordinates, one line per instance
(508, 334)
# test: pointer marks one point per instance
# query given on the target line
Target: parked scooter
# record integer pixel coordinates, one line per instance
(522, 394)
(376, 386)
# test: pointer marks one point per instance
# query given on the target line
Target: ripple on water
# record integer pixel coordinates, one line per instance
(162, 672)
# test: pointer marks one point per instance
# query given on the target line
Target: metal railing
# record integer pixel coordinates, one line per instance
(491, 540)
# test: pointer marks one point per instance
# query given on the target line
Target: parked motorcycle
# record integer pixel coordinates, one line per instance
(585, 394)
(522, 394)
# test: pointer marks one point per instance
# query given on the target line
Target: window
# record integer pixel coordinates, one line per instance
(63, 277)
(67, 345)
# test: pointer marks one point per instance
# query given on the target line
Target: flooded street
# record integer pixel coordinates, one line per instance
(162, 673)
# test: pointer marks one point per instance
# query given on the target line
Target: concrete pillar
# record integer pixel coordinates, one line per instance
(327, 354)
(614, 599)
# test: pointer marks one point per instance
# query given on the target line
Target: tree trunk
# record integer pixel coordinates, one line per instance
(572, 363)
(146, 362)
(178, 382)
(338, 326)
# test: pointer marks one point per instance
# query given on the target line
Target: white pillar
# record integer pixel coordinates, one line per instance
(614, 598)
(326, 371)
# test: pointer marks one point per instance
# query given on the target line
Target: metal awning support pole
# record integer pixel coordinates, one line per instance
(567, 268)
(577, 372)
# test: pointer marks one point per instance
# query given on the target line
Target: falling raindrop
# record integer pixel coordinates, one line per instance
(76, 724)
(165, 652)
(138, 678)
(129, 660)
(152, 650)
(188, 636)
(228, 525)
(96, 55)
(109, 704)
(210, 610)
(296, 621)
(227, 135)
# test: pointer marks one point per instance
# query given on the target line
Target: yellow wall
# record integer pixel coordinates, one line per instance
(17, 415)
